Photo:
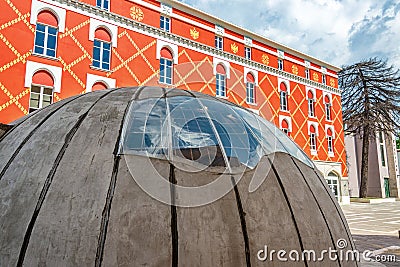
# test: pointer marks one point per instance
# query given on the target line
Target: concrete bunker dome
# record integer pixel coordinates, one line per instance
(71, 185)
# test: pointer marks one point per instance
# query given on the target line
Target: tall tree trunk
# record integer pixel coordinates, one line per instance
(364, 162)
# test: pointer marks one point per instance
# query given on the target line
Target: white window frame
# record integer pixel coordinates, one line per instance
(250, 87)
(220, 85)
(41, 94)
(101, 60)
(247, 52)
(164, 78)
(219, 42)
(283, 101)
(330, 144)
(328, 111)
(280, 64)
(46, 38)
(313, 143)
(165, 23)
(307, 73)
(103, 3)
(323, 79)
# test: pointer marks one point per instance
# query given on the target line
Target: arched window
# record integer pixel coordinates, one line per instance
(221, 81)
(102, 49)
(329, 138)
(46, 34)
(250, 85)
(310, 101)
(328, 106)
(99, 86)
(166, 61)
(283, 97)
(313, 138)
(41, 90)
(333, 183)
(285, 127)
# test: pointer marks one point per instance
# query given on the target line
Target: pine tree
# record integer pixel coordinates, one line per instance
(371, 104)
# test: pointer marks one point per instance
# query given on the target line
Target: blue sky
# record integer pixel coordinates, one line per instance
(340, 32)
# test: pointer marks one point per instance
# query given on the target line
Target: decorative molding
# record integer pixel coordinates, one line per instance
(38, 6)
(224, 63)
(173, 48)
(288, 120)
(136, 13)
(234, 48)
(185, 42)
(219, 30)
(112, 29)
(248, 41)
(91, 79)
(194, 33)
(312, 123)
(332, 129)
(32, 67)
(253, 72)
(286, 82)
(281, 54)
(313, 92)
(166, 9)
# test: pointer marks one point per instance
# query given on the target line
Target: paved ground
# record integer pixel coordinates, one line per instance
(376, 227)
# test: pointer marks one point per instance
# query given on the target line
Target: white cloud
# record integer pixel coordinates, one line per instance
(337, 31)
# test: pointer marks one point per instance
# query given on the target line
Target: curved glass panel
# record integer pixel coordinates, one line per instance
(203, 132)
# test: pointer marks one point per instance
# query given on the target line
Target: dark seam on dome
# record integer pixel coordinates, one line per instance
(26, 139)
(242, 215)
(110, 193)
(289, 206)
(106, 213)
(338, 209)
(319, 207)
(49, 180)
(25, 118)
(174, 217)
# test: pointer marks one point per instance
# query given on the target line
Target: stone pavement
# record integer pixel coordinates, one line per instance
(376, 227)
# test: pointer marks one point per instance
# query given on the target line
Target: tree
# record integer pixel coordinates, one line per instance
(371, 104)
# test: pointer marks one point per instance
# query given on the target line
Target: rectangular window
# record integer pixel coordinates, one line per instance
(323, 79)
(307, 74)
(104, 4)
(280, 64)
(219, 43)
(311, 112)
(247, 52)
(330, 144)
(328, 111)
(45, 40)
(313, 142)
(283, 101)
(165, 23)
(41, 97)
(220, 85)
(250, 93)
(165, 71)
(382, 147)
(101, 54)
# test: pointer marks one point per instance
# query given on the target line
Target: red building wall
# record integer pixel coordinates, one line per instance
(134, 62)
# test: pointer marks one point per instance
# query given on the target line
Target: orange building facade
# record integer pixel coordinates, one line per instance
(54, 49)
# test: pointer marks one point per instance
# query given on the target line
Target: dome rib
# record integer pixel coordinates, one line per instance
(50, 177)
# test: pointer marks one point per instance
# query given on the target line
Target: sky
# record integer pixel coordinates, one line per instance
(340, 32)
